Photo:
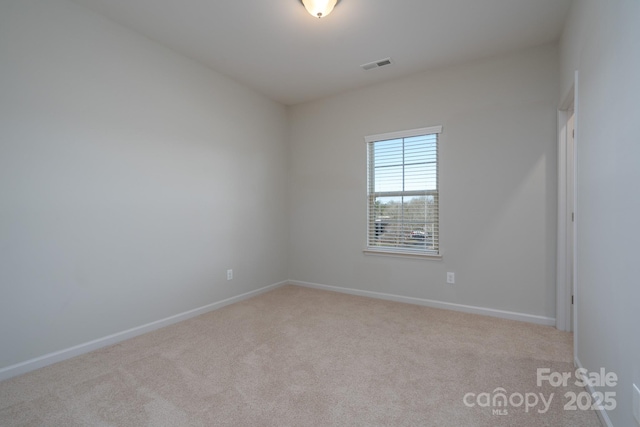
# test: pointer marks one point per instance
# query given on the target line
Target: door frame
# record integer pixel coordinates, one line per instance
(566, 266)
(565, 242)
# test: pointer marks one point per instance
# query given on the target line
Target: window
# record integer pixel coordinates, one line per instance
(402, 193)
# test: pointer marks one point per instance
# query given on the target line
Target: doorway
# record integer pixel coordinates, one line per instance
(566, 283)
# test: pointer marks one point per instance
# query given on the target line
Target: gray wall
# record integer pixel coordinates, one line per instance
(130, 179)
(601, 42)
(497, 175)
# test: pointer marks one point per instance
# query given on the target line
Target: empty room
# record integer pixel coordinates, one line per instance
(319, 213)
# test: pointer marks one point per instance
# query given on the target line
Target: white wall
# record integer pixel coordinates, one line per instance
(601, 42)
(498, 184)
(130, 179)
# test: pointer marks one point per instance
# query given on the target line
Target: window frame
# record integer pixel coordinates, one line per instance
(372, 194)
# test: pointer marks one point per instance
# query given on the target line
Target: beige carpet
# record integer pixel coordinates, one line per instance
(302, 357)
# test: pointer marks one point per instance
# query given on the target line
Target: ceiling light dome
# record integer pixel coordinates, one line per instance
(319, 8)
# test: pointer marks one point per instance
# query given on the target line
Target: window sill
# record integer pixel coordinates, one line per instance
(399, 254)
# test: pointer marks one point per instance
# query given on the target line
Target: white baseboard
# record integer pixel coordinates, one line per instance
(58, 356)
(540, 320)
(602, 414)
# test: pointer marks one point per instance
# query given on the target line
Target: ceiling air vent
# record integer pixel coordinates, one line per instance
(376, 64)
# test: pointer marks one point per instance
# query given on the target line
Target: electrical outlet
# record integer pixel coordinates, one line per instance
(636, 403)
(451, 278)
(229, 274)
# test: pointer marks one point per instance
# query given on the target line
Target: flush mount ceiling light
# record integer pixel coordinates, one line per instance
(319, 8)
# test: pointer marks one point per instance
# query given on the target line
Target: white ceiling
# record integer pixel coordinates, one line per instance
(277, 48)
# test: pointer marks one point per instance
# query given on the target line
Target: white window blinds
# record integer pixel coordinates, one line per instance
(403, 192)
